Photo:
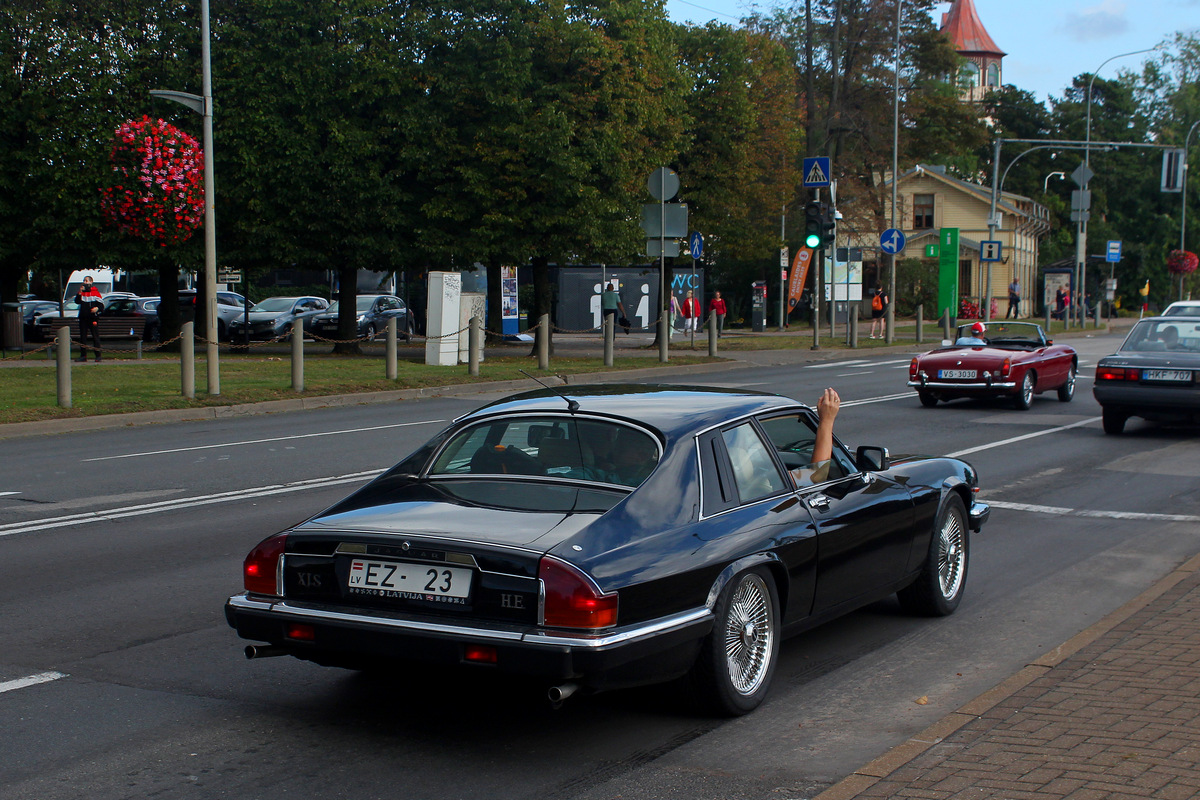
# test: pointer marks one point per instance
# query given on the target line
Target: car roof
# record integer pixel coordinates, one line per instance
(673, 410)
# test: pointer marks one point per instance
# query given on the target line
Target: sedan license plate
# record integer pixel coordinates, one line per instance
(957, 374)
(1170, 375)
(399, 579)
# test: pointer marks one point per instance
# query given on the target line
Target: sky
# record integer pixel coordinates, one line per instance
(1048, 42)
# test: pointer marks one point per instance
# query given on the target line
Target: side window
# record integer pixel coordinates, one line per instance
(793, 436)
(754, 471)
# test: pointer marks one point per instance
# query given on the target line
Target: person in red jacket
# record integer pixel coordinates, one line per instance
(717, 306)
(691, 313)
(90, 303)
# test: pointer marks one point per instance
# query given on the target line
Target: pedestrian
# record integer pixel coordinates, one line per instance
(1014, 299)
(1060, 303)
(90, 304)
(879, 304)
(673, 315)
(716, 307)
(610, 304)
(691, 313)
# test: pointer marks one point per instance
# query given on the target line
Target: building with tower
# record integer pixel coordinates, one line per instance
(983, 72)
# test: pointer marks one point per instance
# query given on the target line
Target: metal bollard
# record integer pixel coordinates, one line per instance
(853, 327)
(543, 342)
(664, 332)
(62, 367)
(946, 324)
(298, 355)
(139, 350)
(1046, 324)
(712, 335)
(920, 323)
(389, 351)
(187, 359)
(609, 330)
(474, 337)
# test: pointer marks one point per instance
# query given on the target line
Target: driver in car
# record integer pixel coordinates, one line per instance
(818, 469)
(976, 337)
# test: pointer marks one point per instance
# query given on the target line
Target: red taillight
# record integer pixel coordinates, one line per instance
(1006, 368)
(573, 600)
(912, 369)
(1117, 374)
(260, 570)
(480, 654)
(301, 632)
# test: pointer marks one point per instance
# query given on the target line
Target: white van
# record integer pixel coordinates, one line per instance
(105, 280)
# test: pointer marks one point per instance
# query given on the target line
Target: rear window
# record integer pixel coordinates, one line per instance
(1163, 335)
(556, 447)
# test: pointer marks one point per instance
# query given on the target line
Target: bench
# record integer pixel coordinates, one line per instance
(110, 328)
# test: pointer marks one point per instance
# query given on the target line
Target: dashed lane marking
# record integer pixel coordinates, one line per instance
(31, 680)
(263, 441)
(1093, 513)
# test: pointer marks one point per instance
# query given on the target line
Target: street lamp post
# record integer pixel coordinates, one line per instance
(1081, 229)
(1046, 182)
(1183, 203)
(203, 106)
(890, 314)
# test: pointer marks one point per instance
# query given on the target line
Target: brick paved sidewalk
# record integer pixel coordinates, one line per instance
(1112, 714)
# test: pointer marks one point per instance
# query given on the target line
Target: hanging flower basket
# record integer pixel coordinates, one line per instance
(1182, 262)
(157, 190)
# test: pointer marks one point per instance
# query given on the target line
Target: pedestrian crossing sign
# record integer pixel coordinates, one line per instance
(816, 171)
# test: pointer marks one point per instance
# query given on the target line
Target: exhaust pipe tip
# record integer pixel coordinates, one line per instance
(264, 651)
(558, 694)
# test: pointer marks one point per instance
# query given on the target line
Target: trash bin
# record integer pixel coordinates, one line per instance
(14, 330)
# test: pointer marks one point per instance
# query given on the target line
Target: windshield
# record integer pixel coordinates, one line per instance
(560, 447)
(1159, 335)
(275, 304)
(361, 305)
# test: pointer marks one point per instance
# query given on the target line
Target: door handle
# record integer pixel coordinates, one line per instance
(818, 501)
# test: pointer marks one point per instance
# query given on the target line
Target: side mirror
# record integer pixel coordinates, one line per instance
(947, 342)
(1049, 342)
(872, 459)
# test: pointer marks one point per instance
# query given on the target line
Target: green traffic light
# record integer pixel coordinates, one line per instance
(812, 241)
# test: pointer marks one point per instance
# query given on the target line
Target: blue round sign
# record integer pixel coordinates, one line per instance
(892, 241)
(696, 244)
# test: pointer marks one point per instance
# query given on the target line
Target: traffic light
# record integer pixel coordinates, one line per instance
(828, 225)
(814, 217)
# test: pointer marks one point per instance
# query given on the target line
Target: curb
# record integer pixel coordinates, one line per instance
(901, 755)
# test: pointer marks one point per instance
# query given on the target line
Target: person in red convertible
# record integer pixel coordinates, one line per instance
(976, 337)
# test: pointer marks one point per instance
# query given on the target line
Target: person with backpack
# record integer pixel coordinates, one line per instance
(879, 304)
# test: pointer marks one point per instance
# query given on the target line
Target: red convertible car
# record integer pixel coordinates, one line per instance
(1013, 359)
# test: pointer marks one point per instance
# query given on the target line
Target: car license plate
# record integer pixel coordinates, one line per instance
(399, 579)
(957, 374)
(1171, 375)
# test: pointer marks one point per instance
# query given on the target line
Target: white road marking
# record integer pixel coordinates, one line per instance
(1088, 512)
(31, 680)
(263, 441)
(882, 399)
(29, 526)
(1014, 439)
(6, 494)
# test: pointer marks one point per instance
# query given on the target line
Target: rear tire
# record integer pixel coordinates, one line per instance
(732, 673)
(938, 589)
(1024, 398)
(1114, 422)
(927, 399)
(1067, 390)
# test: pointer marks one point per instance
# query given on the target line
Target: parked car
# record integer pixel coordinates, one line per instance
(372, 312)
(1182, 308)
(1153, 374)
(1013, 359)
(30, 311)
(145, 307)
(611, 536)
(230, 306)
(272, 318)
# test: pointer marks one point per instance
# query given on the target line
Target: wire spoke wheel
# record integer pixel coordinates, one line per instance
(749, 635)
(951, 555)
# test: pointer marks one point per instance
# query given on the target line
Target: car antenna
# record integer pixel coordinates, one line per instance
(572, 405)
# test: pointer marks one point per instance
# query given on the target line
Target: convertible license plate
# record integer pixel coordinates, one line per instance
(959, 374)
(1171, 375)
(404, 579)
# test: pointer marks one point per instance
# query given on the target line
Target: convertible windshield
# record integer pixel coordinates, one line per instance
(1154, 335)
(563, 447)
(1008, 334)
